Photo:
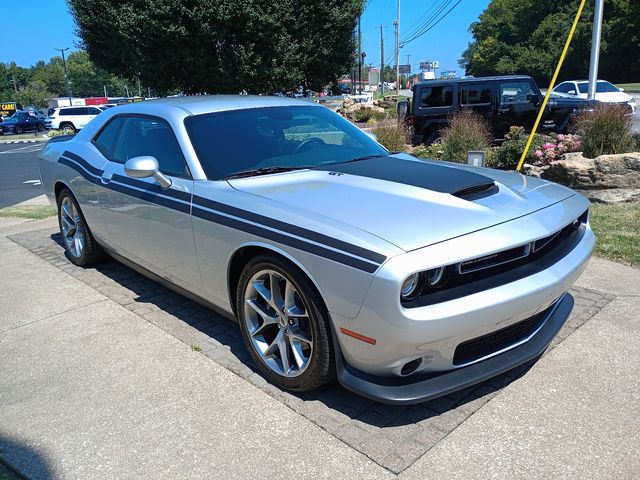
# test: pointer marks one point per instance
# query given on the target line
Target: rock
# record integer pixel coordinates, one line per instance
(604, 172)
(534, 171)
(614, 195)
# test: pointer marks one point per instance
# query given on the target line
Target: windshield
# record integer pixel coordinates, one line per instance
(601, 87)
(292, 137)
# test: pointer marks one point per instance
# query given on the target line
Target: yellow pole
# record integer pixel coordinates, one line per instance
(551, 85)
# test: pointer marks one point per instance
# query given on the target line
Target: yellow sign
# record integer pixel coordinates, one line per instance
(8, 108)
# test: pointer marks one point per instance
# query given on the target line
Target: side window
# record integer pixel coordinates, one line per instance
(105, 141)
(82, 111)
(563, 88)
(475, 94)
(64, 112)
(93, 111)
(515, 92)
(154, 137)
(436, 96)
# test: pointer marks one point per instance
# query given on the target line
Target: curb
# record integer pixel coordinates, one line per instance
(9, 142)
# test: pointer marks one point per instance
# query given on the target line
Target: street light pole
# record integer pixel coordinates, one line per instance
(595, 48)
(66, 78)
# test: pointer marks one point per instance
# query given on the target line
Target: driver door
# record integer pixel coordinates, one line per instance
(146, 224)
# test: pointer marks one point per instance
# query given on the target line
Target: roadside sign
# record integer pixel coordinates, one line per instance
(405, 69)
(430, 65)
(8, 108)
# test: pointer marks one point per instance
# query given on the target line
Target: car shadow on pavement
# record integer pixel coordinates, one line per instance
(172, 312)
(23, 461)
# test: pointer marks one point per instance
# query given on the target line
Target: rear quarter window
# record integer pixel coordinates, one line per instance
(475, 94)
(436, 96)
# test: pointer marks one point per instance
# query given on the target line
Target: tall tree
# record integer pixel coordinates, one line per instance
(219, 46)
(527, 36)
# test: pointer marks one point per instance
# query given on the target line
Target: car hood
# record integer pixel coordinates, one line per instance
(408, 202)
(610, 97)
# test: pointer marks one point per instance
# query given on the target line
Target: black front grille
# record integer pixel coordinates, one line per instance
(480, 347)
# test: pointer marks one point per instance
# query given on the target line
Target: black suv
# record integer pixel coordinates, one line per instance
(506, 101)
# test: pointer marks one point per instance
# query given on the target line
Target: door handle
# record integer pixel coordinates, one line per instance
(106, 177)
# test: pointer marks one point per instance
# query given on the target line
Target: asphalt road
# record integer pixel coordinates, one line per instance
(19, 176)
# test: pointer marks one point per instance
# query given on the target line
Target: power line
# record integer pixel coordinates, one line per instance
(416, 36)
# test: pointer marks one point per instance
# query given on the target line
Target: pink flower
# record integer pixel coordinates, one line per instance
(548, 146)
(539, 153)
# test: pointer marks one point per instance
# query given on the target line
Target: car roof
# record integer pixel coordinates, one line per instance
(200, 104)
(473, 79)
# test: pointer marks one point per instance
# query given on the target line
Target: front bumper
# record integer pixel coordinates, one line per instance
(409, 390)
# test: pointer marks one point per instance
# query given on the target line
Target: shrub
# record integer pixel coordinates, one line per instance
(557, 146)
(508, 154)
(466, 131)
(367, 115)
(392, 134)
(433, 151)
(636, 141)
(605, 130)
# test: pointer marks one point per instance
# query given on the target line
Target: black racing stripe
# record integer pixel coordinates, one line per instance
(87, 175)
(285, 239)
(150, 197)
(293, 229)
(370, 265)
(83, 162)
(152, 187)
(439, 178)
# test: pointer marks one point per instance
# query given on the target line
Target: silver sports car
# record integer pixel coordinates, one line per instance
(406, 279)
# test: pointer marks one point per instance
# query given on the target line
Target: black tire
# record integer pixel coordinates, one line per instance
(321, 364)
(68, 128)
(432, 138)
(19, 130)
(40, 127)
(92, 252)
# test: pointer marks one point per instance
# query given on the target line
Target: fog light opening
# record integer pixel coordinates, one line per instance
(410, 367)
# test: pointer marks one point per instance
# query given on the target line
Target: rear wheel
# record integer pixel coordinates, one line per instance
(40, 127)
(284, 324)
(68, 128)
(81, 247)
(433, 137)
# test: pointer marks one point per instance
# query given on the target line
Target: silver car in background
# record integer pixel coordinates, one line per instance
(406, 279)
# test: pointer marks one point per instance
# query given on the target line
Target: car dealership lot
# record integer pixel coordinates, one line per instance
(108, 361)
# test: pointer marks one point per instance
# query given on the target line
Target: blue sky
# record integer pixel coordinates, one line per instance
(43, 25)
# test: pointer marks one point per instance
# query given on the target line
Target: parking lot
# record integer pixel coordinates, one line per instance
(144, 365)
(20, 179)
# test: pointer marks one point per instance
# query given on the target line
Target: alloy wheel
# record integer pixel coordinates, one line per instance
(72, 229)
(278, 323)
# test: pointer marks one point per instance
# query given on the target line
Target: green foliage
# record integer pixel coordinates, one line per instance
(508, 154)
(433, 151)
(605, 130)
(220, 46)
(466, 131)
(392, 134)
(35, 94)
(527, 36)
(368, 115)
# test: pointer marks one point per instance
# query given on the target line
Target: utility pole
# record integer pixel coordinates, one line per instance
(381, 61)
(105, 91)
(359, 56)
(397, 24)
(66, 78)
(15, 84)
(595, 48)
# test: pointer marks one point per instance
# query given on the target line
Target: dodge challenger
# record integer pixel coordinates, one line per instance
(406, 279)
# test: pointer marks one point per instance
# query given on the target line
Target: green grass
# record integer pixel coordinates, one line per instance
(32, 212)
(630, 87)
(618, 230)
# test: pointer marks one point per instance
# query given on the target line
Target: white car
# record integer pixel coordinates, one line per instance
(605, 92)
(71, 119)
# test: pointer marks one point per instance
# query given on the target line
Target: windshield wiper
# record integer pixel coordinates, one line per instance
(366, 157)
(261, 171)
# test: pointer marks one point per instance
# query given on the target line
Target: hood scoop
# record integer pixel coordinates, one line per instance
(416, 173)
(477, 191)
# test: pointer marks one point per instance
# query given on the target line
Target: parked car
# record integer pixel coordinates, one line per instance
(72, 119)
(21, 122)
(505, 101)
(407, 279)
(605, 92)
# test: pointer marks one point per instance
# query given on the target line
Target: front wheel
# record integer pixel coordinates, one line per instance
(284, 324)
(18, 130)
(68, 129)
(81, 247)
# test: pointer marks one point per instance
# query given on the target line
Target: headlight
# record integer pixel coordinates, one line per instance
(632, 102)
(410, 286)
(436, 277)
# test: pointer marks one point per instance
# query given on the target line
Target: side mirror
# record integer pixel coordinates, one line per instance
(372, 136)
(145, 167)
(571, 92)
(621, 89)
(533, 98)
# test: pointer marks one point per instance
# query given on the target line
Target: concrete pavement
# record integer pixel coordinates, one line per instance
(90, 389)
